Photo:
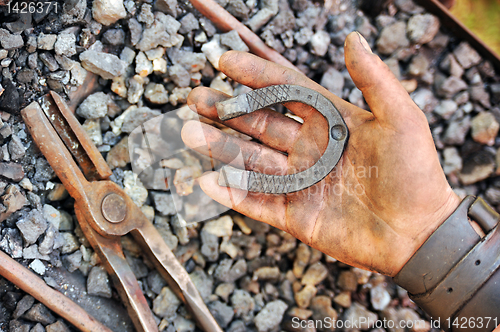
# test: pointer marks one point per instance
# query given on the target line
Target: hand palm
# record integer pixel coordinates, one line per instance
(385, 196)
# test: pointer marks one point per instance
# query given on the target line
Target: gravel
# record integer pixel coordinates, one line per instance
(148, 57)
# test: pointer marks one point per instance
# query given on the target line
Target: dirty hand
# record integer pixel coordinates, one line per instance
(387, 193)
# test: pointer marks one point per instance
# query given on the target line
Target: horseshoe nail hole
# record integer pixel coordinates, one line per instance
(338, 132)
(449, 290)
(478, 262)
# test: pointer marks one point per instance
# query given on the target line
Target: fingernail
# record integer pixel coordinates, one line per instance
(363, 42)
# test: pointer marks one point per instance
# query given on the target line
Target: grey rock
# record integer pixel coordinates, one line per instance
(392, 38)
(238, 9)
(127, 55)
(448, 87)
(182, 324)
(58, 326)
(222, 313)
(466, 55)
(422, 28)
(425, 99)
(303, 36)
(165, 305)
(418, 65)
(135, 29)
(243, 304)
(16, 148)
(451, 66)
(12, 242)
(357, 312)
(23, 305)
(237, 326)
(49, 61)
(74, 12)
(98, 282)
(94, 106)
(114, 37)
(209, 246)
(479, 94)
(446, 108)
(70, 243)
(456, 131)
(224, 290)
(10, 41)
(393, 65)
(143, 66)
(213, 50)
(162, 32)
(32, 252)
(146, 15)
(156, 282)
(46, 42)
(105, 65)
(65, 44)
(233, 40)
(167, 6)
(25, 75)
(203, 282)
(192, 62)
(108, 12)
(73, 261)
(40, 314)
(17, 326)
(452, 161)
(32, 226)
(379, 297)
(493, 195)
(179, 95)
(163, 227)
(31, 44)
(227, 272)
(38, 328)
(164, 204)
(270, 316)
(179, 75)
(188, 23)
(408, 6)
(260, 18)
(319, 43)
(135, 89)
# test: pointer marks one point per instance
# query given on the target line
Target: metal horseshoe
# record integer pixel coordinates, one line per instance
(281, 184)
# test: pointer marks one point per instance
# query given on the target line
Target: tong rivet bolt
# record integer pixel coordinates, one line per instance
(114, 208)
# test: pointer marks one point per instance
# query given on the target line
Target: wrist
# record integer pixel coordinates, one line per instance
(429, 223)
(455, 273)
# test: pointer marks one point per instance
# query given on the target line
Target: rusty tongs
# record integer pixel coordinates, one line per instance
(105, 212)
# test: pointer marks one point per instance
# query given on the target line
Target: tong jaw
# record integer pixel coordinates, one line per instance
(282, 184)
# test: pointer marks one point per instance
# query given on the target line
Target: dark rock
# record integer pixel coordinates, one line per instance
(114, 37)
(24, 305)
(40, 314)
(238, 9)
(222, 313)
(10, 41)
(58, 326)
(49, 60)
(9, 99)
(188, 23)
(25, 75)
(32, 226)
(98, 282)
(12, 242)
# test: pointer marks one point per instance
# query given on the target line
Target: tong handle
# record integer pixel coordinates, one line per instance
(174, 273)
(111, 254)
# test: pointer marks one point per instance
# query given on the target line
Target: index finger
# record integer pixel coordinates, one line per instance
(256, 73)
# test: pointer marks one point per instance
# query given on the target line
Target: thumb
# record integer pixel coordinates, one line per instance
(387, 98)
